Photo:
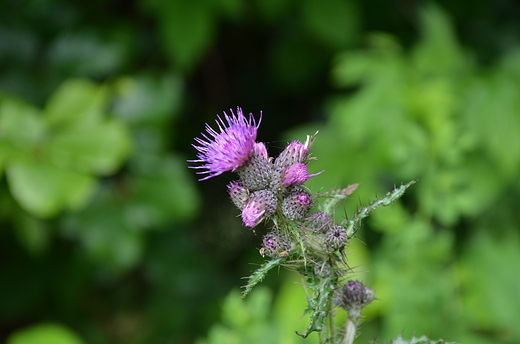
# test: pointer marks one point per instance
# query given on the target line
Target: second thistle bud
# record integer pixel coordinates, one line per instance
(318, 222)
(256, 174)
(336, 237)
(354, 296)
(238, 194)
(260, 205)
(276, 244)
(297, 204)
(295, 152)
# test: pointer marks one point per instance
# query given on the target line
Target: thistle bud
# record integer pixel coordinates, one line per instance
(256, 174)
(295, 152)
(297, 204)
(276, 244)
(260, 205)
(336, 237)
(354, 296)
(238, 194)
(318, 222)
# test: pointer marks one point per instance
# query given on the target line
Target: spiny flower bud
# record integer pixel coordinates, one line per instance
(238, 194)
(276, 244)
(355, 295)
(336, 237)
(297, 204)
(261, 204)
(323, 269)
(318, 222)
(295, 152)
(256, 174)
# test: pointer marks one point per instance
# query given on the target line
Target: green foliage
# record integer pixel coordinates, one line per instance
(434, 115)
(98, 221)
(414, 340)
(52, 159)
(259, 319)
(43, 334)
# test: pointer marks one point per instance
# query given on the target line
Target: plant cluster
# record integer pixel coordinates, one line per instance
(313, 244)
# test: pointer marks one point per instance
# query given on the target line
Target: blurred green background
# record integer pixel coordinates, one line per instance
(107, 237)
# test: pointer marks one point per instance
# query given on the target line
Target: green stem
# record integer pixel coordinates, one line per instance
(350, 331)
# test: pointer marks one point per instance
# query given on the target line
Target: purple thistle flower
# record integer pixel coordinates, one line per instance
(228, 149)
(296, 174)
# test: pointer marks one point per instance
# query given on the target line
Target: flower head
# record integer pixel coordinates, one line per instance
(228, 149)
(356, 295)
(336, 237)
(256, 174)
(260, 205)
(296, 205)
(295, 152)
(238, 194)
(275, 244)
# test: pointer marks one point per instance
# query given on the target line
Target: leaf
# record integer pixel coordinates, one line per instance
(259, 274)
(43, 189)
(44, 333)
(20, 124)
(99, 148)
(76, 102)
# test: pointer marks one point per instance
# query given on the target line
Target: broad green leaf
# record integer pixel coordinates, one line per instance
(20, 124)
(99, 148)
(76, 102)
(44, 333)
(44, 189)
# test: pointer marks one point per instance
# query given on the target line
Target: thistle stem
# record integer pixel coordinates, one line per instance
(350, 331)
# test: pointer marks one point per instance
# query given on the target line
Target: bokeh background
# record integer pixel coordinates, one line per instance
(107, 237)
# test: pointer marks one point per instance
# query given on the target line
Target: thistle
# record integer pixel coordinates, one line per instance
(312, 244)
